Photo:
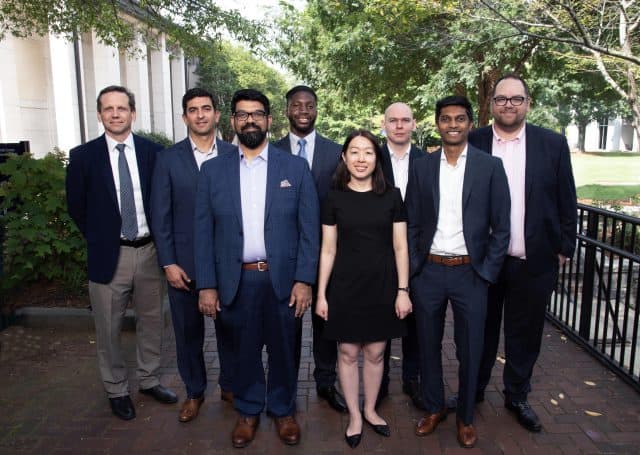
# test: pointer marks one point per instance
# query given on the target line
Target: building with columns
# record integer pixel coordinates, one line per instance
(48, 89)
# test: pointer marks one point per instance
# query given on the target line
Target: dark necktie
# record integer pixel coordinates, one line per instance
(127, 201)
(302, 151)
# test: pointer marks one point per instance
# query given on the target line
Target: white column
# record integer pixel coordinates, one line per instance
(160, 79)
(137, 81)
(178, 87)
(10, 125)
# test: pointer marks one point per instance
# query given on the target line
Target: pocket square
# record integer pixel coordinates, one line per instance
(285, 184)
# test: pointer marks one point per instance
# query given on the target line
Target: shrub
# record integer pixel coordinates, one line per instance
(40, 239)
(158, 138)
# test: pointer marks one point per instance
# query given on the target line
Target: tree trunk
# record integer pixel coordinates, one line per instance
(485, 88)
(582, 131)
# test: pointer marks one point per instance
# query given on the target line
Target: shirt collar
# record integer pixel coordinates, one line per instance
(463, 155)
(111, 142)
(264, 153)
(517, 139)
(310, 138)
(195, 148)
(403, 156)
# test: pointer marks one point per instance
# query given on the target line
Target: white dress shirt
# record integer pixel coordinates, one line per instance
(200, 155)
(253, 195)
(310, 146)
(400, 167)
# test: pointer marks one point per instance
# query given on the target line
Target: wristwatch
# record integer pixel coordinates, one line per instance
(404, 289)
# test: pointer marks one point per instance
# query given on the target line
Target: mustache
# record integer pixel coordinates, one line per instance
(249, 125)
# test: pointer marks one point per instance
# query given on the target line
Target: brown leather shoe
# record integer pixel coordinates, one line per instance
(288, 430)
(244, 431)
(428, 423)
(226, 395)
(466, 435)
(190, 409)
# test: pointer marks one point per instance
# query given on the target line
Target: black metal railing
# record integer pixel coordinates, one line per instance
(597, 296)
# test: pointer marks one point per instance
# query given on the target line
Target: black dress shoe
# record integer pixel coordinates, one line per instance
(123, 407)
(527, 417)
(382, 394)
(452, 401)
(160, 393)
(382, 430)
(412, 388)
(333, 397)
(353, 440)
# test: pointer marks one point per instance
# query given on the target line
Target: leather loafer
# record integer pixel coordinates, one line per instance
(226, 395)
(244, 431)
(452, 401)
(190, 409)
(382, 430)
(467, 437)
(333, 397)
(288, 430)
(161, 394)
(354, 440)
(123, 407)
(428, 423)
(527, 417)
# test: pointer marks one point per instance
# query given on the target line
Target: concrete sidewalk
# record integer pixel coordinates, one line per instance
(52, 402)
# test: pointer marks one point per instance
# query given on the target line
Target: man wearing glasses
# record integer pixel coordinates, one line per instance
(257, 228)
(543, 236)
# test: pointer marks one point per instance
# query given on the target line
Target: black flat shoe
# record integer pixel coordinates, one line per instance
(382, 430)
(161, 394)
(122, 407)
(353, 440)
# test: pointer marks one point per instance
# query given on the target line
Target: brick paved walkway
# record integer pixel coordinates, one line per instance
(51, 401)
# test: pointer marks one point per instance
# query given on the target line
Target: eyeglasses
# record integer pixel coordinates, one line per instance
(243, 116)
(514, 100)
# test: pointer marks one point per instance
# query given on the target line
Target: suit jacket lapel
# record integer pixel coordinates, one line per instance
(142, 159)
(107, 172)
(435, 181)
(186, 155)
(273, 167)
(233, 182)
(529, 171)
(317, 157)
(467, 182)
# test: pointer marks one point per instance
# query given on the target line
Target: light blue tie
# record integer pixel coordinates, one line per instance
(127, 201)
(302, 151)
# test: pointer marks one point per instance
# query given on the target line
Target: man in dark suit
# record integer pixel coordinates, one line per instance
(257, 229)
(173, 200)
(543, 237)
(398, 158)
(323, 156)
(108, 190)
(458, 229)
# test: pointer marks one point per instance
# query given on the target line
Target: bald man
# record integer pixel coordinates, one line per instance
(399, 155)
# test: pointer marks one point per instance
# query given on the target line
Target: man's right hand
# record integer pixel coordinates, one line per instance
(208, 302)
(177, 277)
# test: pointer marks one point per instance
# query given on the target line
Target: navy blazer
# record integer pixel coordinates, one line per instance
(291, 224)
(326, 156)
(550, 195)
(485, 211)
(93, 203)
(414, 154)
(173, 201)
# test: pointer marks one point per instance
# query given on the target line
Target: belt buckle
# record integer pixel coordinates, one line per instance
(262, 266)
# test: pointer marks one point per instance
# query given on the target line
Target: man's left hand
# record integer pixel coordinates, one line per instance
(300, 297)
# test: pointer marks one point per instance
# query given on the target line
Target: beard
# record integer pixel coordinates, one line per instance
(251, 139)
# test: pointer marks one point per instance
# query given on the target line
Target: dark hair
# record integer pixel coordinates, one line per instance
(300, 88)
(197, 93)
(511, 76)
(249, 94)
(119, 89)
(341, 177)
(454, 100)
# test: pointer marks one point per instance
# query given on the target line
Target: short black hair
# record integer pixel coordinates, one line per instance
(300, 88)
(341, 176)
(119, 89)
(454, 100)
(197, 92)
(250, 94)
(515, 76)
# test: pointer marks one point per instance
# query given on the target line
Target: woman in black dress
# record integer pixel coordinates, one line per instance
(363, 292)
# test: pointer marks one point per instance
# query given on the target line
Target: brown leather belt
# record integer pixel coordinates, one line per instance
(137, 243)
(450, 261)
(260, 266)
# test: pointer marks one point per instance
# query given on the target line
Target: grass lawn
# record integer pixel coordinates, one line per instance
(601, 176)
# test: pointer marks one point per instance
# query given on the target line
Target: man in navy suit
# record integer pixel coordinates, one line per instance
(173, 199)
(323, 156)
(108, 190)
(543, 237)
(257, 229)
(458, 211)
(398, 158)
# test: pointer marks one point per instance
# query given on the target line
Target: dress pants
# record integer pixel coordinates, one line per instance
(525, 298)
(433, 288)
(325, 352)
(256, 317)
(410, 357)
(137, 278)
(188, 325)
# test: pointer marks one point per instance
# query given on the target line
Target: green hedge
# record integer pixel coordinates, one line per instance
(40, 239)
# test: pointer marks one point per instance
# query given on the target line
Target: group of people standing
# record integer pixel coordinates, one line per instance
(376, 240)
